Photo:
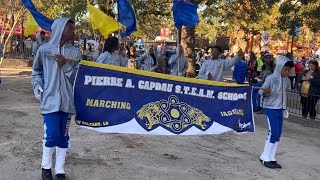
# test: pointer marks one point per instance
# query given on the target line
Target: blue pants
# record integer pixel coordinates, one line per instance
(256, 98)
(56, 129)
(275, 121)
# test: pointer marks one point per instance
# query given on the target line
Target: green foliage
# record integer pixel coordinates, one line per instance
(73, 9)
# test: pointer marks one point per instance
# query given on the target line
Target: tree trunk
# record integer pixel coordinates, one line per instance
(188, 42)
(292, 41)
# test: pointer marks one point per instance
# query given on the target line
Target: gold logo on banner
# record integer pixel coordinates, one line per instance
(173, 114)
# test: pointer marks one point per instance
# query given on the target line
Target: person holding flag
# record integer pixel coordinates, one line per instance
(179, 63)
(111, 53)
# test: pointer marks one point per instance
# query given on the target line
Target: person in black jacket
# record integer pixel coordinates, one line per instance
(310, 100)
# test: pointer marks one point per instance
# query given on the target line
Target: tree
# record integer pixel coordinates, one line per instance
(73, 9)
(295, 14)
(13, 13)
(152, 15)
(188, 42)
(245, 16)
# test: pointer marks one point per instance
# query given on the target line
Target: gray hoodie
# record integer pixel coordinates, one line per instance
(38, 42)
(278, 85)
(57, 82)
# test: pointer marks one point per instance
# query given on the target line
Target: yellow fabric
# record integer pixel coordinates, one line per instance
(305, 88)
(260, 64)
(31, 25)
(159, 75)
(99, 20)
(138, 33)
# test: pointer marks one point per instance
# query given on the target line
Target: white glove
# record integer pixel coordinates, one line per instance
(180, 74)
(285, 114)
(38, 92)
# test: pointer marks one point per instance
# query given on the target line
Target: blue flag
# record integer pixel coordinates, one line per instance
(185, 13)
(127, 17)
(44, 22)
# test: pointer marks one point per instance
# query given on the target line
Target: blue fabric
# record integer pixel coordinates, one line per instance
(275, 118)
(256, 98)
(127, 17)
(56, 129)
(110, 106)
(240, 72)
(44, 22)
(185, 13)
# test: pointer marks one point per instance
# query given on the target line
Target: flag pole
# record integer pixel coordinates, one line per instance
(118, 20)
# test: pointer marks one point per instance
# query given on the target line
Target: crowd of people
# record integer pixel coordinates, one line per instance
(52, 82)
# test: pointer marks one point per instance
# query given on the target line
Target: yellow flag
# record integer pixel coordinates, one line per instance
(31, 25)
(138, 33)
(101, 21)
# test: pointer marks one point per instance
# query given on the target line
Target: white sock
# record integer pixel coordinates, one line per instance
(47, 157)
(60, 160)
(266, 154)
(274, 151)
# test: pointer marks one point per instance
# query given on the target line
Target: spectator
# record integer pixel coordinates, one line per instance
(299, 70)
(240, 71)
(310, 90)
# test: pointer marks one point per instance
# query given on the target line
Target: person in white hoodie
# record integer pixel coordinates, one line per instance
(213, 69)
(179, 63)
(52, 81)
(111, 53)
(148, 61)
(39, 40)
(274, 90)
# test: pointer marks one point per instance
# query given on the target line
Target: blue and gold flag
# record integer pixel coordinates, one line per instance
(119, 100)
(44, 22)
(185, 13)
(127, 17)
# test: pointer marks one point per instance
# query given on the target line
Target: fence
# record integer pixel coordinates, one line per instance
(25, 53)
(297, 104)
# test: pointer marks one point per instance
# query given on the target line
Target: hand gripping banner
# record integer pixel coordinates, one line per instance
(120, 100)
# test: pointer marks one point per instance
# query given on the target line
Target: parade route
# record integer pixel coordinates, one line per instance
(95, 156)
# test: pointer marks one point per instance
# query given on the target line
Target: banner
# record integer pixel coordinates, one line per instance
(120, 100)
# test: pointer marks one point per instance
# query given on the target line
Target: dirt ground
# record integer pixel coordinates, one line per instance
(95, 156)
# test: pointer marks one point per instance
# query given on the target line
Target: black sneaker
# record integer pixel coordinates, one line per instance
(276, 164)
(60, 176)
(46, 174)
(268, 164)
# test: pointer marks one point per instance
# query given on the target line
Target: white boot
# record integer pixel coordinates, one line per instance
(60, 160)
(273, 151)
(47, 157)
(266, 154)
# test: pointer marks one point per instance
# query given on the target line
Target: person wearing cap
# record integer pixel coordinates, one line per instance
(213, 69)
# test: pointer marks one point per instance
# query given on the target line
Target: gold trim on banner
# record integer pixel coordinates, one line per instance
(158, 75)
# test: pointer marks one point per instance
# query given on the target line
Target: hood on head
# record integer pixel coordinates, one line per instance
(178, 49)
(148, 51)
(38, 38)
(57, 30)
(280, 64)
